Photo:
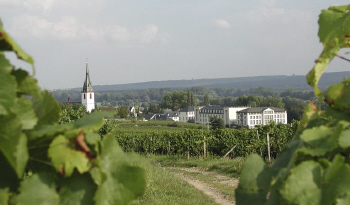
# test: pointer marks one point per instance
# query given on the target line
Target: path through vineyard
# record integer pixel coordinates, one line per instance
(211, 184)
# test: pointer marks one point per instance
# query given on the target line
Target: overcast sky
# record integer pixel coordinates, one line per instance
(129, 41)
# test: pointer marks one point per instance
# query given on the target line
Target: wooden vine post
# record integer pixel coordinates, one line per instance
(268, 146)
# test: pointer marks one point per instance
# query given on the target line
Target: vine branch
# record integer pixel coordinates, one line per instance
(342, 57)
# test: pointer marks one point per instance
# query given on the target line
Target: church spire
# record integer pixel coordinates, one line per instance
(87, 87)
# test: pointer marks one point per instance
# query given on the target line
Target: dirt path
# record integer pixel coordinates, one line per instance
(212, 192)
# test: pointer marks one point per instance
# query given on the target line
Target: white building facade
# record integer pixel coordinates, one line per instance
(227, 114)
(261, 116)
(186, 114)
(88, 94)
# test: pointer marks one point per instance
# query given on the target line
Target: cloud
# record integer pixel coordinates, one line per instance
(69, 28)
(30, 5)
(220, 23)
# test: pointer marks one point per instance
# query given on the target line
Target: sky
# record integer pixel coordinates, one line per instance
(128, 41)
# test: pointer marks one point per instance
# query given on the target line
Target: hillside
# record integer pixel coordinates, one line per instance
(277, 82)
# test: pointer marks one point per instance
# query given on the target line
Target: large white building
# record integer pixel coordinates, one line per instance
(87, 94)
(261, 116)
(227, 114)
(186, 114)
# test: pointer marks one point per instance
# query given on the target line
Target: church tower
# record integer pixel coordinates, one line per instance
(87, 94)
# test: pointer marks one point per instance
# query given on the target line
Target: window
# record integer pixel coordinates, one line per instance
(90, 96)
(84, 96)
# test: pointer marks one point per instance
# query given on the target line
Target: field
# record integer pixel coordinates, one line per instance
(196, 181)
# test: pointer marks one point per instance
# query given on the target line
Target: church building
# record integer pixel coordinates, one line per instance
(87, 94)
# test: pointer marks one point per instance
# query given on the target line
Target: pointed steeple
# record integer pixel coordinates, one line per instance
(87, 87)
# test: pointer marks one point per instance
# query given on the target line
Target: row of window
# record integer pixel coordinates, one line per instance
(211, 111)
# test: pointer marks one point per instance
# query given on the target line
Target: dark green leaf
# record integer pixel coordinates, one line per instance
(92, 121)
(8, 177)
(336, 180)
(46, 109)
(7, 86)
(123, 182)
(24, 110)
(344, 139)
(77, 189)
(26, 84)
(8, 44)
(39, 189)
(13, 143)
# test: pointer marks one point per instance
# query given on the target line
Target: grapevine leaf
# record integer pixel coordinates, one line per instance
(93, 140)
(39, 189)
(338, 95)
(26, 84)
(77, 189)
(344, 200)
(96, 175)
(48, 130)
(8, 44)
(334, 26)
(65, 157)
(334, 23)
(8, 177)
(254, 181)
(23, 109)
(302, 185)
(7, 85)
(336, 180)
(344, 139)
(46, 108)
(13, 143)
(320, 140)
(310, 112)
(122, 181)
(92, 121)
(4, 196)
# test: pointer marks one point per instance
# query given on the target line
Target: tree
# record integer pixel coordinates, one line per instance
(178, 99)
(216, 123)
(206, 99)
(122, 111)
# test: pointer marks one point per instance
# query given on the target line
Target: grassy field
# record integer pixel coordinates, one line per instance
(164, 188)
(227, 167)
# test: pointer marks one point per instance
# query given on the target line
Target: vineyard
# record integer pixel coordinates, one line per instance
(197, 142)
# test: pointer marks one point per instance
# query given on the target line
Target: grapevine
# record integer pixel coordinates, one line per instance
(43, 162)
(314, 168)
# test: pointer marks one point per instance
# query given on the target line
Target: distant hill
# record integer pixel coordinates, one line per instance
(277, 82)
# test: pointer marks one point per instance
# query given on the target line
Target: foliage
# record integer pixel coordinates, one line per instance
(70, 112)
(178, 99)
(206, 100)
(314, 168)
(43, 162)
(123, 111)
(216, 123)
(218, 142)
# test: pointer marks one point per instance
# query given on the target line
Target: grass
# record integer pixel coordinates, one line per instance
(164, 188)
(228, 167)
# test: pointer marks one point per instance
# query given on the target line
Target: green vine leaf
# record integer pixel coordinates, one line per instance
(338, 95)
(77, 189)
(7, 86)
(26, 84)
(8, 44)
(65, 157)
(302, 186)
(13, 143)
(122, 182)
(46, 108)
(44, 192)
(24, 110)
(4, 196)
(320, 140)
(334, 33)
